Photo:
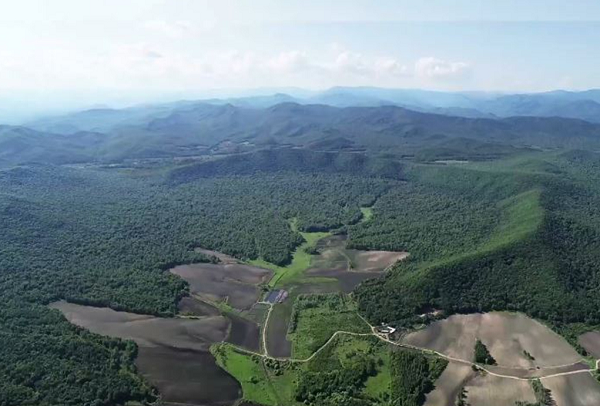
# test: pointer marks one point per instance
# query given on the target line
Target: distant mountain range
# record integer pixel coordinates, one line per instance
(217, 127)
(583, 105)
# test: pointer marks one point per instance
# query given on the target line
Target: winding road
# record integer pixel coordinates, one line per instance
(449, 358)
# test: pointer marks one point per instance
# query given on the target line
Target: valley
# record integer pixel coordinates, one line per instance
(299, 203)
(323, 278)
(243, 329)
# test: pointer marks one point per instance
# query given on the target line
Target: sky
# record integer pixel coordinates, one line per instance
(124, 51)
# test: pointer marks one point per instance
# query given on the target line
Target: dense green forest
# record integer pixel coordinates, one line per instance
(520, 234)
(106, 237)
(413, 375)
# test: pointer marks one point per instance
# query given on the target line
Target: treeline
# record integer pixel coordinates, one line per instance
(47, 361)
(290, 159)
(413, 376)
(542, 395)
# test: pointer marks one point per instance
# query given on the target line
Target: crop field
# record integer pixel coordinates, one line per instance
(574, 390)
(374, 261)
(235, 284)
(333, 255)
(257, 313)
(223, 258)
(487, 390)
(449, 385)
(506, 335)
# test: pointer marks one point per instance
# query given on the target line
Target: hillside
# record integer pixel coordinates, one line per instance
(496, 215)
(201, 129)
(523, 234)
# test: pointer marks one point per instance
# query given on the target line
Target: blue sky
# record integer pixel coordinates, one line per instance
(133, 50)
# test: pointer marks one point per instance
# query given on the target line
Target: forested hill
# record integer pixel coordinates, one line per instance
(289, 159)
(520, 234)
(196, 129)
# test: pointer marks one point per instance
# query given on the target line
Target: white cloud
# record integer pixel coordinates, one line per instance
(351, 62)
(434, 68)
(289, 62)
(158, 66)
(390, 66)
(176, 29)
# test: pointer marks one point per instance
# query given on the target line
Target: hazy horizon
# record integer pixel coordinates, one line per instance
(68, 54)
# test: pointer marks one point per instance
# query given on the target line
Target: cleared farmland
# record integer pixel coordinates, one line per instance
(173, 353)
(487, 390)
(349, 267)
(148, 331)
(234, 283)
(449, 384)
(507, 335)
(591, 342)
(574, 390)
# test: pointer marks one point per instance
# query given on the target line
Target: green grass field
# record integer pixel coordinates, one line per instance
(367, 214)
(293, 272)
(263, 384)
(259, 384)
(318, 317)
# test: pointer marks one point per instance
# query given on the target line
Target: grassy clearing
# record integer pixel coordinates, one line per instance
(300, 259)
(351, 353)
(367, 214)
(378, 386)
(317, 317)
(273, 383)
(260, 383)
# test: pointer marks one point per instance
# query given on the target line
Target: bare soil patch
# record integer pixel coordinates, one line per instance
(223, 258)
(487, 390)
(277, 342)
(194, 307)
(349, 267)
(449, 385)
(147, 331)
(347, 281)
(187, 377)
(591, 342)
(234, 283)
(574, 390)
(507, 336)
(244, 333)
(374, 261)
(537, 373)
(172, 353)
